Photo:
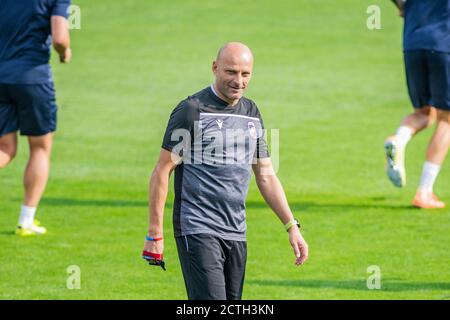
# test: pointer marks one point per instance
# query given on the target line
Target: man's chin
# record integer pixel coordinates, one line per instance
(235, 96)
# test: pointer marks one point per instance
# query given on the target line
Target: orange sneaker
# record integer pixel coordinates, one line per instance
(427, 200)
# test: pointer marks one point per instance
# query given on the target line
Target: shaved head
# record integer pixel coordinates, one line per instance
(235, 49)
(233, 69)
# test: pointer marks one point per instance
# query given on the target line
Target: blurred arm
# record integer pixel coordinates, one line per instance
(271, 189)
(61, 38)
(273, 193)
(159, 186)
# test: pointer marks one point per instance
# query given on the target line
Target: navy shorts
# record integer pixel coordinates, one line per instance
(30, 108)
(428, 78)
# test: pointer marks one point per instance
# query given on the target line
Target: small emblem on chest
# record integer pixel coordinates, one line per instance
(252, 130)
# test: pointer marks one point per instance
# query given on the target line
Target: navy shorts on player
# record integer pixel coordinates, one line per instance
(428, 78)
(30, 108)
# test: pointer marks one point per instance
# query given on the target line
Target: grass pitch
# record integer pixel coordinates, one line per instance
(334, 89)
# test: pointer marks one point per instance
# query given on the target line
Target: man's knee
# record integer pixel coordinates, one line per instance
(41, 143)
(426, 111)
(443, 116)
(6, 157)
(8, 148)
(11, 151)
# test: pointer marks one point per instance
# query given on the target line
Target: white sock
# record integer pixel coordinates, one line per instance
(429, 175)
(404, 134)
(26, 218)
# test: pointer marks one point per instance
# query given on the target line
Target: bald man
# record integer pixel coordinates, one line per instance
(212, 141)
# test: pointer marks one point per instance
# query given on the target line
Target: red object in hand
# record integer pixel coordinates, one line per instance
(154, 259)
(157, 256)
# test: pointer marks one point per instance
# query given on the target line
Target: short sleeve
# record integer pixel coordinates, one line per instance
(61, 8)
(180, 128)
(262, 150)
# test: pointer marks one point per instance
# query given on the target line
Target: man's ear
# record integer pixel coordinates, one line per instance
(214, 67)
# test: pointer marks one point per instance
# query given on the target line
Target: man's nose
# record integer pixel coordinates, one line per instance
(238, 79)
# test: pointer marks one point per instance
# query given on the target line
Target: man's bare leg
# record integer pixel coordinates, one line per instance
(436, 153)
(420, 119)
(394, 146)
(440, 142)
(37, 170)
(35, 180)
(8, 148)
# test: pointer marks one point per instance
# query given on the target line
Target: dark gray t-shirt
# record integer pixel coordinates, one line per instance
(217, 143)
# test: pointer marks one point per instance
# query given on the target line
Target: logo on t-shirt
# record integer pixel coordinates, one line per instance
(219, 123)
(252, 130)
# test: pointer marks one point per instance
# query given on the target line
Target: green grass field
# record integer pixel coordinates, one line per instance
(334, 89)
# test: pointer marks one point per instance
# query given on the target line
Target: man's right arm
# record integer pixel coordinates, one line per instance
(61, 38)
(159, 186)
(181, 118)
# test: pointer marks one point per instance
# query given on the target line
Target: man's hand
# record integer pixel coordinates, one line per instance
(66, 56)
(299, 245)
(152, 249)
(154, 246)
(273, 193)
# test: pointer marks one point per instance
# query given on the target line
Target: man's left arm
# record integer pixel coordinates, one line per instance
(273, 193)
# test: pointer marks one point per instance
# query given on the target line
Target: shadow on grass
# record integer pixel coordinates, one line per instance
(61, 202)
(303, 206)
(386, 285)
(7, 233)
(92, 202)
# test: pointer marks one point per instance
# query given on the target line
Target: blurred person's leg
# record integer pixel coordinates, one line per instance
(8, 148)
(439, 77)
(415, 122)
(37, 169)
(417, 71)
(436, 153)
(35, 180)
(8, 127)
(37, 120)
(439, 144)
